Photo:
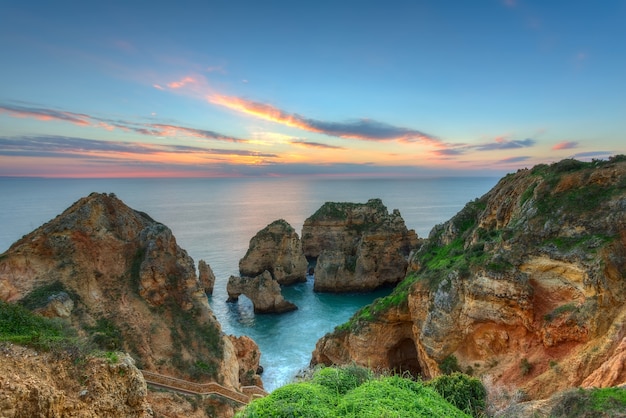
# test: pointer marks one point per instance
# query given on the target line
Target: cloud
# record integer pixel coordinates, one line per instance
(181, 83)
(361, 129)
(309, 144)
(565, 145)
(599, 155)
(513, 159)
(503, 144)
(45, 114)
(73, 147)
(148, 129)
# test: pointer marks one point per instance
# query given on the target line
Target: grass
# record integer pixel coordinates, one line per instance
(604, 402)
(19, 325)
(354, 391)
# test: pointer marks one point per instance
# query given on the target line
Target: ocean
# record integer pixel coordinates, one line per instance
(214, 219)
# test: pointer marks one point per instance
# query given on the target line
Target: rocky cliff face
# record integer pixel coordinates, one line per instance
(277, 249)
(44, 385)
(358, 247)
(262, 290)
(122, 281)
(525, 287)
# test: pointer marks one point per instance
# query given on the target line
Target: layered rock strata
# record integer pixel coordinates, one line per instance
(357, 247)
(262, 290)
(277, 249)
(524, 287)
(121, 280)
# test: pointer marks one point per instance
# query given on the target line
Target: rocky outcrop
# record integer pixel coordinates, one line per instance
(36, 384)
(262, 290)
(249, 358)
(206, 277)
(131, 286)
(524, 287)
(277, 249)
(358, 247)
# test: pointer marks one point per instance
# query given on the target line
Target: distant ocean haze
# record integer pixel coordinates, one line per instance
(214, 219)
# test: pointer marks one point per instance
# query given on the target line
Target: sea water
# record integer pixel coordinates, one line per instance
(214, 219)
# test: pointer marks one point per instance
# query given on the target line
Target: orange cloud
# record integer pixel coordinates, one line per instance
(565, 145)
(181, 83)
(361, 129)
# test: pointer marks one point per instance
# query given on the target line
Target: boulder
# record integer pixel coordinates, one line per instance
(277, 249)
(262, 290)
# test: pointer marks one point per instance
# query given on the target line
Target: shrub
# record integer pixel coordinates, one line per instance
(525, 367)
(341, 380)
(465, 392)
(449, 365)
(395, 397)
(293, 400)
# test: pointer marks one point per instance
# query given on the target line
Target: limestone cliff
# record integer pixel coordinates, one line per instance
(262, 290)
(206, 277)
(524, 287)
(277, 249)
(37, 384)
(358, 247)
(121, 280)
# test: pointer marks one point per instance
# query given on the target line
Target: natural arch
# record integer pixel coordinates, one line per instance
(402, 357)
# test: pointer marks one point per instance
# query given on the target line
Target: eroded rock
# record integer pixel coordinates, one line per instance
(262, 290)
(277, 249)
(358, 247)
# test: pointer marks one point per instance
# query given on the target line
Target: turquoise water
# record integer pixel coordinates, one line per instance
(214, 219)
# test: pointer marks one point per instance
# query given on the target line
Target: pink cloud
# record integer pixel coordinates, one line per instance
(181, 83)
(565, 145)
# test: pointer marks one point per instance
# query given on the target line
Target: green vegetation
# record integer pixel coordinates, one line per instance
(525, 366)
(449, 365)
(465, 392)
(188, 332)
(39, 297)
(19, 325)
(568, 307)
(353, 391)
(581, 403)
(105, 335)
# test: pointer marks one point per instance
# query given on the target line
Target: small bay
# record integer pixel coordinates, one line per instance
(214, 219)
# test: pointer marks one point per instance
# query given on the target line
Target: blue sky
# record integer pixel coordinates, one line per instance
(275, 88)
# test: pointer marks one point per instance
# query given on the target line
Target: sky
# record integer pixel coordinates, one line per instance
(317, 88)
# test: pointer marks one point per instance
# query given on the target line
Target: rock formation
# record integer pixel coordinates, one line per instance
(277, 249)
(206, 277)
(262, 290)
(249, 358)
(358, 247)
(131, 286)
(523, 287)
(37, 384)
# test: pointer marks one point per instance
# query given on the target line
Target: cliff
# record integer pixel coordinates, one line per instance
(277, 249)
(120, 280)
(35, 384)
(524, 287)
(357, 247)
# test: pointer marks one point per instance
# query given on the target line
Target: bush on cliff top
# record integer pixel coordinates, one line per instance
(354, 391)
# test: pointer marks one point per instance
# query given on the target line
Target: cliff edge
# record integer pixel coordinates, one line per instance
(525, 287)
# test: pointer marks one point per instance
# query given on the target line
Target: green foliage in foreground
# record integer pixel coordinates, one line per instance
(581, 403)
(19, 325)
(353, 391)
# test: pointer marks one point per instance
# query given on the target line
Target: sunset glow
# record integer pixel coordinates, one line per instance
(264, 90)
